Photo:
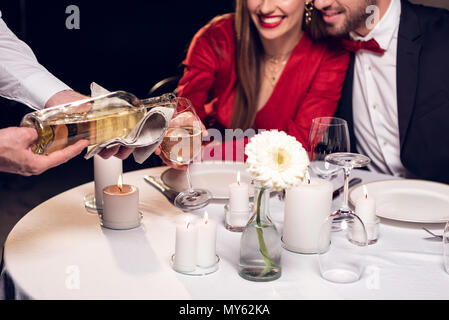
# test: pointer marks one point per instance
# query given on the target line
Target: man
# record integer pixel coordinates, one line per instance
(23, 79)
(396, 92)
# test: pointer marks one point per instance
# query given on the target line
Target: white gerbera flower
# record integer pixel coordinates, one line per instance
(276, 159)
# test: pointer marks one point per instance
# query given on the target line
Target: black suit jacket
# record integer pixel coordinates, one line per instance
(422, 91)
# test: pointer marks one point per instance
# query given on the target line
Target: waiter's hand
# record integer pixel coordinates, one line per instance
(117, 151)
(63, 97)
(16, 155)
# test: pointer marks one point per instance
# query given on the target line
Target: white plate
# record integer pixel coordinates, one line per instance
(211, 175)
(408, 200)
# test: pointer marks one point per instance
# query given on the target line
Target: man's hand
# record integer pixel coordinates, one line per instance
(63, 97)
(16, 155)
(120, 152)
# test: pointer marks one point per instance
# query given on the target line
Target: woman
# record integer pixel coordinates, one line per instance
(258, 69)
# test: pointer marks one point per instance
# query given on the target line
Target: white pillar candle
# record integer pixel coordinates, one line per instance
(206, 242)
(306, 208)
(120, 207)
(238, 196)
(106, 173)
(185, 247)
(365, 209)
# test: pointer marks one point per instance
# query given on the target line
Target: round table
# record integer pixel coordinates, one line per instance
(60, 251)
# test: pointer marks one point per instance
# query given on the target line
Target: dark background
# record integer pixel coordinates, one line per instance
(122, 45)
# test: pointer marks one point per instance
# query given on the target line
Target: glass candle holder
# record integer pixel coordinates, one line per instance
(237, 221)
(372, 232)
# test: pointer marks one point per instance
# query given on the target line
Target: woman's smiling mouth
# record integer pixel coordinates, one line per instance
(270, 21)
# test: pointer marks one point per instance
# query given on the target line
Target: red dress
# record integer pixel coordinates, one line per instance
(309, 86)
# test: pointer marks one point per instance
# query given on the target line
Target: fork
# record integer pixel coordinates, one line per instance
(433, 234)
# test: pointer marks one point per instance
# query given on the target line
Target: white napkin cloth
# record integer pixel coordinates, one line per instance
(145, 137)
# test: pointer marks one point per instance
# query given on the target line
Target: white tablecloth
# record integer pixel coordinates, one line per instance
(60, 251)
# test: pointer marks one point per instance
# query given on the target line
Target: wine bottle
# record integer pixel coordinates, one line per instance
(98, 119)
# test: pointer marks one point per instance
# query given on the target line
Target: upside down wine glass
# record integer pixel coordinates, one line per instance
(181, 145)
(343, 235)
(446, 247)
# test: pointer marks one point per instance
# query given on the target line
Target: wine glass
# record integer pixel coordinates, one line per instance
(343, 235)
(181, 145)
(446, 247)
(327, 135)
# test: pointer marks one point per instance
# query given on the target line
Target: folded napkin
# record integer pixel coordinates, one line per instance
(145, 137)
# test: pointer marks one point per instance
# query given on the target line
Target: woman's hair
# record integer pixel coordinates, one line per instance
(248, 55)
(316, 29)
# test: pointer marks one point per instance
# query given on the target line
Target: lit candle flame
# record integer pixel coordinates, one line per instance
(238, 177)
(120, 182)
(205, 217)
(307, 175)
(365, 191)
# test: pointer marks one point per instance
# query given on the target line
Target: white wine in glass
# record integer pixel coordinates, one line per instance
(181, 144)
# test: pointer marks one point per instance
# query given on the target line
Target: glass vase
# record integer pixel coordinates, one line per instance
(260, 245)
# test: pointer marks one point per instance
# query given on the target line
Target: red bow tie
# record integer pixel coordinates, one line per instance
(370, 45)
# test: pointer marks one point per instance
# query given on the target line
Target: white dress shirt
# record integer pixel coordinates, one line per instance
(22, 78)
(375, 107)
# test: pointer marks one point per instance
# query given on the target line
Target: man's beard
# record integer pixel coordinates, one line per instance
(355, 19)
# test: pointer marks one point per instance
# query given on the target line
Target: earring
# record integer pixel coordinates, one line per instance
(309, 9)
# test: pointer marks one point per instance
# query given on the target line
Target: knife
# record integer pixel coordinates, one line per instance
(170, 194)
(352, 183)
